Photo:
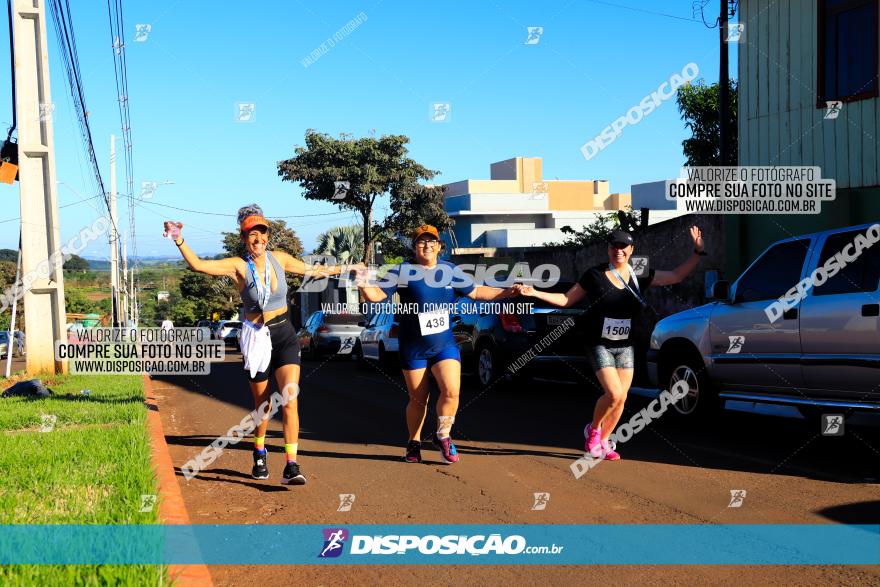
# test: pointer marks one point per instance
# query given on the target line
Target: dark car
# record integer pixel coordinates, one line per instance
(516, 342)
(324, 334)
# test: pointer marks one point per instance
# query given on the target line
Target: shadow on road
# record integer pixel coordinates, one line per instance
(341, 403)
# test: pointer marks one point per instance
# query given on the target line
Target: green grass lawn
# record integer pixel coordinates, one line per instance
(92, 467)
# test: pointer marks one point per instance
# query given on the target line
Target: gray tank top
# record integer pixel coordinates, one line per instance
(277, 299)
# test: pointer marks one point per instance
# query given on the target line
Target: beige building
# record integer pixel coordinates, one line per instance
(517, 207)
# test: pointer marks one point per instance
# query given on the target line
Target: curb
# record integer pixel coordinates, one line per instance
(172, 509)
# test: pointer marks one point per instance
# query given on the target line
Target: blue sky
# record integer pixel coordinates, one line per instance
(594, 61)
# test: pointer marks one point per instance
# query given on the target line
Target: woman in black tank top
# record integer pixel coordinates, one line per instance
(616, 299)
(266, 313)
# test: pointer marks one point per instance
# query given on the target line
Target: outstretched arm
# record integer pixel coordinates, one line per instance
(678, 274)
(486, 293)
(220, 267)
(297, 266)
(564, 300)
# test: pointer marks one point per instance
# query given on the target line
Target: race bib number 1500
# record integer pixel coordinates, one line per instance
(615, 329)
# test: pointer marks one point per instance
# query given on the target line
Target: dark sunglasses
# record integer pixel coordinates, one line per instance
(619, 245)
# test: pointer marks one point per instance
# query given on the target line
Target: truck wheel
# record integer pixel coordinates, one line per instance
(701, 399)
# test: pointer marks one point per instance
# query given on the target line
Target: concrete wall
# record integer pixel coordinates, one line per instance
(522, 238)
(651, 195)
(666, 245)
(571, 195)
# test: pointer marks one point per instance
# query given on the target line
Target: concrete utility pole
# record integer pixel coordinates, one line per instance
(44, 316)
(124, 285)
(114, 237)
(132, 308)
(723, 87)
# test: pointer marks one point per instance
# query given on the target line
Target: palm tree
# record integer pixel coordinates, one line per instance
(345, 243)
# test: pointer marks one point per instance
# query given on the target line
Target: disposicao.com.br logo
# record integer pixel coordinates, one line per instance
(476, 545)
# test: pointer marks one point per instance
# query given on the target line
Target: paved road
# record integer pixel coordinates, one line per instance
(514, 443)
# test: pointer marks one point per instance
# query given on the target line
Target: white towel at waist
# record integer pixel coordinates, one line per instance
(256, 346)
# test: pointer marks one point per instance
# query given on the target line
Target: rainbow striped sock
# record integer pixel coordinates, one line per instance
(290, 452)
(260, 443)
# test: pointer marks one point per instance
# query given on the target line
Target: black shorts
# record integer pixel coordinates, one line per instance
(285, 346)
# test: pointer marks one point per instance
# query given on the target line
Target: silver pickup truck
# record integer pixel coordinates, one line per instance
(801, 326)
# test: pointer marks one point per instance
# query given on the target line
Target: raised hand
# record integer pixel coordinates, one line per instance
(172, 229)
(697, 235)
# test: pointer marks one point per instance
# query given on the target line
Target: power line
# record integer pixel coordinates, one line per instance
(644, 10)
(120, 71)
(235, 215)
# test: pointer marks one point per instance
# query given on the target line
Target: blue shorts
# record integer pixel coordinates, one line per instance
(421, 358)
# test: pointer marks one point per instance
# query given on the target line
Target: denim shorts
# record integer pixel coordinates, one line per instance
(601, 357)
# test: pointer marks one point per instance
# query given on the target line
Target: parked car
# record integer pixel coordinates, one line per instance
(824, 352)
(330, 334)
(18, 349)
(491, 343)
(227, 331)
(378, 339)
(209, 324)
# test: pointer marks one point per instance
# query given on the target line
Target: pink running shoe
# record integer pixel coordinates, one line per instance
(593, 442)
(448, 452)
(610, 453)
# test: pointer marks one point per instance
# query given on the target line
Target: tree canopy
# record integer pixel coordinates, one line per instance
(698, 105)
(76, 263)
(353, 172)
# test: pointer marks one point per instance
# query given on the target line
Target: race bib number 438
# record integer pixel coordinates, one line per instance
(433, 322)
(616, 329)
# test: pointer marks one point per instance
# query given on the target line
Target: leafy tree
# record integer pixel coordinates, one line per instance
(76, 263)
(281, 238)
(148, 307)
(7, 273)
(184, 313)
(7, 279)
(698, 105)
(598, 230)
(9, 255)
(76, 302)
(345, 243)
(208, 293)
(371, 167)
(415, 205)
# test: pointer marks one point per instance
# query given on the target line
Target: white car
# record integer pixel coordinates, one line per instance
(17, 349)
(379, 338)
(227, 330)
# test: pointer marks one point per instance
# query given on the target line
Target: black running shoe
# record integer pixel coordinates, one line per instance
(413, 452)
(260, 470)
(292, 476)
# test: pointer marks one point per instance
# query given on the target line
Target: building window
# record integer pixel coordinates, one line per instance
(847, 50)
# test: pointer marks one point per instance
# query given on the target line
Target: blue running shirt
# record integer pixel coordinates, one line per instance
(425, 292)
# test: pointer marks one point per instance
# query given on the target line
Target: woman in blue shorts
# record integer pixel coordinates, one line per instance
(427, 287)
(615, 296)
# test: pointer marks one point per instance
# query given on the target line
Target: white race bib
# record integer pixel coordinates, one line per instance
(616, 329)
(433, 322)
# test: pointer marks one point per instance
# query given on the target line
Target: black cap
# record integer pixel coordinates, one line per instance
(620, 236)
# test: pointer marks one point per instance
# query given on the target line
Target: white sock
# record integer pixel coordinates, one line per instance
(444, 426)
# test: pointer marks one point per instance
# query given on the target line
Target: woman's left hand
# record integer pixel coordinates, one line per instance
(698, 238)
